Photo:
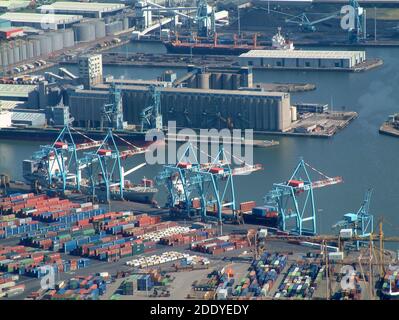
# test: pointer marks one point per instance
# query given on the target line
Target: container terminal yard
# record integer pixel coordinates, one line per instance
(77, 227)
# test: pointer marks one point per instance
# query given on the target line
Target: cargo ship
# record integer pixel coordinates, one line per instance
(176, 46)
(51, 134)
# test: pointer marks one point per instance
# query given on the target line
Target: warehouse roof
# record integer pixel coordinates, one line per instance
(40, 18)
(15, 4)
(83, 6)
(16, 90)
(310, 54)
(247, 93)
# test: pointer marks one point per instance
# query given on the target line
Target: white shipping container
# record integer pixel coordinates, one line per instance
(346, 233)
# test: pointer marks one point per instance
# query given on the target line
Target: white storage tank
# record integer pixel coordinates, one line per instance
(57, 41)
(294, 115)
(84, 32)
(99, 29)
(68, 38)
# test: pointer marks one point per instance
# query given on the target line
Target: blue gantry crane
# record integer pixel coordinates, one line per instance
(60, 161)
(112, 113)
(360, 223)
(150, 116)
(104, 167)
(203, 189)
(356, 33)
(293, 200)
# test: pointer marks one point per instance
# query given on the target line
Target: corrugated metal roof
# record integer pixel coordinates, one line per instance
(310, 54)
(8, 105)
(16, 90)
(82, 6)
(40, 18)
(27, 116)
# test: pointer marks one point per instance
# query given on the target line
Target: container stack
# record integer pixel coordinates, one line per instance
(9, 286)
(220, 245)
(79, 288)
(300, 281)
(187, 237)
(262, 275)
(30, 262)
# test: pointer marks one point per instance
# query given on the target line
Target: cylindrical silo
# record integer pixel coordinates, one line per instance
(15, 50)
(226, 81)
(216, 81)
(99, 29)
(36, 47)
(29, 49)
(203, 80)
(10, 55)
(46, 45)
(125, 23)
(68, 38)
(84, 32)
(23, 50)
(4, 56)
(57, 40)
(113, 27)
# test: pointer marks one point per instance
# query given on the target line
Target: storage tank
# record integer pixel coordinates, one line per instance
(226, 81)
(4, 56)
(29, 49)
(125, 23)
(203, 81)
(36, 47)
(294, 116)
(84, 32)
(15, 50)
(10, 55)
(113, 27)
(46, 46)
(68, 38)
(23, 50)
(57, 40)
(235, 81)
(99, 28)
(216, 81)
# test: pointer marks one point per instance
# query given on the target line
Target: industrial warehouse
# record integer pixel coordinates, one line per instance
(302, 58)
(110, 190)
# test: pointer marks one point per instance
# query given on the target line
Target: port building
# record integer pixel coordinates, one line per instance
(189, 107)
(86, 9)
(41, 20)
(90, 70)
(302, 58)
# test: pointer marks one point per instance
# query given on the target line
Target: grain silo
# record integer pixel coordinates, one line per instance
(22, 50)
(68, 37)
(57, 40)
(4, 56)
(36, 46)
(84, 32)
(10, 55)
(15, 50)
(29, 49)
(125, 23)
(99, 26)
(46, 46)
(113, 27)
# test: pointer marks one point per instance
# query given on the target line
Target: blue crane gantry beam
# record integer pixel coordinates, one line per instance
(211, 183)
(361, 223)
(293, 200)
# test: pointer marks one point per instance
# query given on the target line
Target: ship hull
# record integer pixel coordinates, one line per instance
(49, 135)
(139, 196)
(206, 50)
(268, 222)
